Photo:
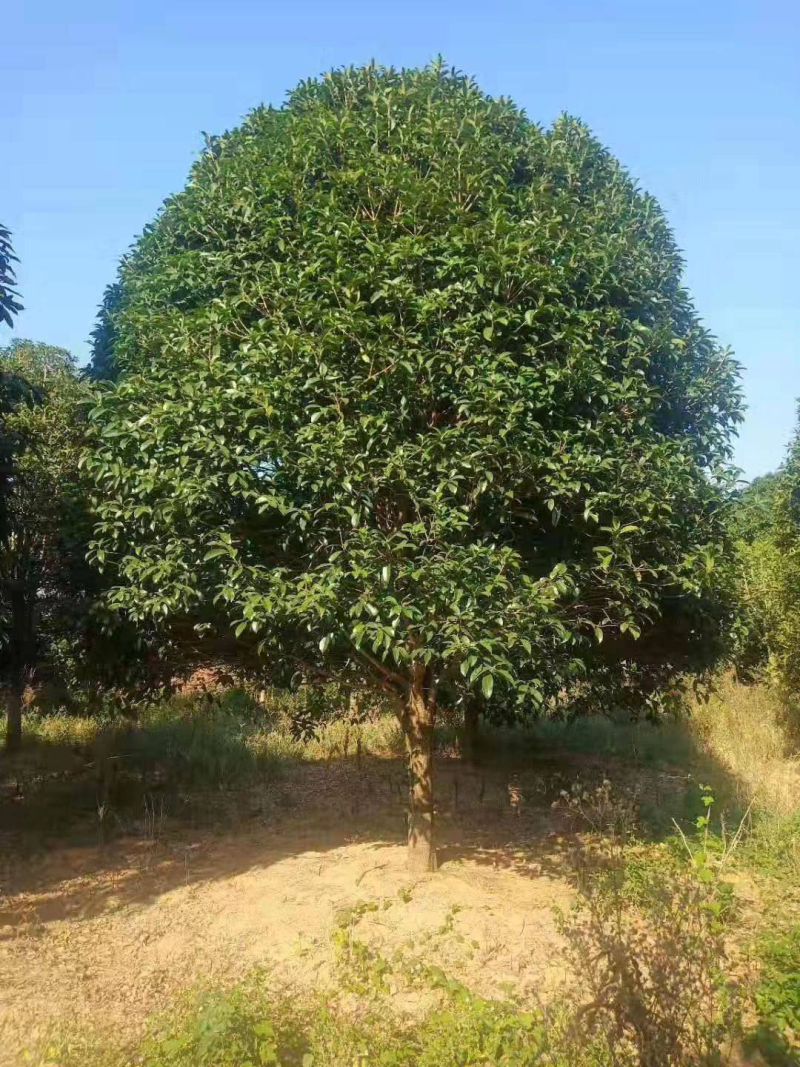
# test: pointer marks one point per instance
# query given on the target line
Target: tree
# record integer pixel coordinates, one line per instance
(45, 520)
(9, 387)
(410, 386)
(753, 513)
(787, 542)
(9, 305)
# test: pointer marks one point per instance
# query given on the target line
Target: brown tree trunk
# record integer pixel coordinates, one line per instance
(14, 714)
(470, 740)
(417, 718)
(20, 648)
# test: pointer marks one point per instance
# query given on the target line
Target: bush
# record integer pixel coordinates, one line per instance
(222, 1029)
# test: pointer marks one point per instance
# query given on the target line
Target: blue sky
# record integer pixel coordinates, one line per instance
(105, 101)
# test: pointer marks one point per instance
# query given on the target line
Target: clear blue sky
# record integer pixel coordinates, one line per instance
(104, 102)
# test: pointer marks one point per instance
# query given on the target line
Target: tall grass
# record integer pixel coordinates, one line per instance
(748, 730)
(738, 740)
(224, 740)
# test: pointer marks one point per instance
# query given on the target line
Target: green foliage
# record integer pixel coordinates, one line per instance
(769, 526)
(53, 626)
(104, 336)
(9, 305)
(753, 515)
(471, 1029)
(777, 997)
(40, 395)
(44, 525)
(225, 1029)
(409, 382)
(248, 1025)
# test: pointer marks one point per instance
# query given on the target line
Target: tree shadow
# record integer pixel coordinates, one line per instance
(71, 848)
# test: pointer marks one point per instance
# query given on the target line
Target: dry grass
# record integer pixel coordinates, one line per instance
(747, 730)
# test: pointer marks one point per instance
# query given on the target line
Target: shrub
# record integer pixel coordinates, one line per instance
(221, 1029)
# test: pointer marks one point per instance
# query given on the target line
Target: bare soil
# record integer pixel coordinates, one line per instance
(99, 929)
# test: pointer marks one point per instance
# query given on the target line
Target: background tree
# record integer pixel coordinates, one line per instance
(9, 387)
(753, 513)
(46, 521)
(410, 385)
(767, 523)
(9, 304)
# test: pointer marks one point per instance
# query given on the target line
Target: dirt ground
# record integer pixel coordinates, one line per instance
(102, 933)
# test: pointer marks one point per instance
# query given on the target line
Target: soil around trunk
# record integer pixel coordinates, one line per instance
(101, 935)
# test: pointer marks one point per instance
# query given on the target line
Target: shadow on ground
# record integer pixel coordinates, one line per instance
(73, 846)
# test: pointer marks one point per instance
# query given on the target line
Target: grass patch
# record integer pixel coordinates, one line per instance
(250, 1025)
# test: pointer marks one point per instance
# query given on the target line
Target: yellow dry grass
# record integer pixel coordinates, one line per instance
(749, 731)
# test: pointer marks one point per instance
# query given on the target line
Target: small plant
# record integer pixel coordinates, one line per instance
(361, 969)
(777, 997)
(224, 1030)
(449, 925)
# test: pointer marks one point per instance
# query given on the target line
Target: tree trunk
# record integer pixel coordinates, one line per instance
(418, 716)
(20, 648)
(14, 713)
(469, 741)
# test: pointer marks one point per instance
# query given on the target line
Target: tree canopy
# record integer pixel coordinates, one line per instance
(753, 514)
(410, 383)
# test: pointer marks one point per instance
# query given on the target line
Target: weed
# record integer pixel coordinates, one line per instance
(777, 997)
(648, 943)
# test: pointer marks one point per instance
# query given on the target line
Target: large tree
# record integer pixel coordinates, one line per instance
(9, 387)
(410, 385)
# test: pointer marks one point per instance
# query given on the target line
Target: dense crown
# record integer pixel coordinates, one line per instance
(408, 376)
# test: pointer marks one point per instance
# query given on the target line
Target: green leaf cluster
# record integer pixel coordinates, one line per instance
(9, 303)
